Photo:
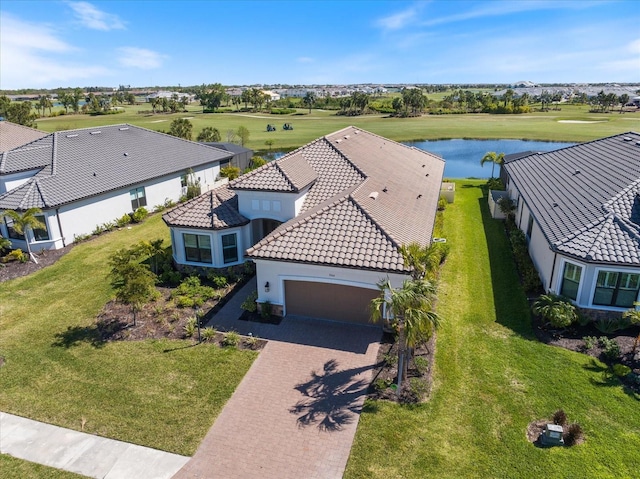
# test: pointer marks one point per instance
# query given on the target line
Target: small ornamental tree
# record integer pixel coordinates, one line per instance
(132, 280)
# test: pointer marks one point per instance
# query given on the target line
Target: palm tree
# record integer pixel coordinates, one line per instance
(493, 158)
(23, 223)
(410, 310)
(422, 260)
(309, 99)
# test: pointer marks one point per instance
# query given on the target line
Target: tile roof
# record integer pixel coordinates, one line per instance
(585, 197)
(288, 174)
(371, 196)
(338, 234)
(215, 209)
(78, 164)
(13, 135)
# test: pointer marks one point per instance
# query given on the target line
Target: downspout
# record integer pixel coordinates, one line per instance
(60, 227)
(553, 268)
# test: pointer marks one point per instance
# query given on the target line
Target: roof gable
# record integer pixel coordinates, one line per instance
(338, 234)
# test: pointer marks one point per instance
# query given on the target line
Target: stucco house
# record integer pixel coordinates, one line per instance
(84, 178)
(580, 210)
(323, 223)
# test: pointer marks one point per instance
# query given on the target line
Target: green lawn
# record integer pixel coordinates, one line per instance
(533, 126)
(492, 378)
(162, 394)
(19, 469)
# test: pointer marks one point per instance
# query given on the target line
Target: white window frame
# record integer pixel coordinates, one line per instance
(594, 284)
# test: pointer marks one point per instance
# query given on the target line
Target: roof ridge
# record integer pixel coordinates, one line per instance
(607, 204)
(286, 177)
(54, 155)
(369, 216)
(3, 161)
(349, 160)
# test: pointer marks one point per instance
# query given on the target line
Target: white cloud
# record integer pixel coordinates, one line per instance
(398, 20)
(34, 56)
(140, 58)
(634, 47)
(91, 17)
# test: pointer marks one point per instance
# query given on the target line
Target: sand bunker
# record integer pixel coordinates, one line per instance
(582, 121)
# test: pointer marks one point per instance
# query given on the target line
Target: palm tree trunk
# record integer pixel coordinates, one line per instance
(402, 349)
(31, 255)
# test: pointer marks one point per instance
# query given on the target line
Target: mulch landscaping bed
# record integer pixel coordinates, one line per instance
(416, 386)
(163, 319)
(255, 317)
(15, 269)
(572, 338)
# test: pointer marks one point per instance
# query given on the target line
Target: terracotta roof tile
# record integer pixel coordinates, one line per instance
(339, 234)
(371, 196)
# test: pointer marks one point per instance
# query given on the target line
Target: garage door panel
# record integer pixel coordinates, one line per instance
(329, 301)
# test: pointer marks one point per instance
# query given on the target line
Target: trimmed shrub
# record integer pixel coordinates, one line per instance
(249, 304)
(139, 215)
(208, 333)
(611, 348)
(124, 220)
(556, 310)
(621, 370)
(231, 339)
(574, 435)
(560, 417)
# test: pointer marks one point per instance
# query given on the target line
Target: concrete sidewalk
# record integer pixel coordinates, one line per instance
(82, 453)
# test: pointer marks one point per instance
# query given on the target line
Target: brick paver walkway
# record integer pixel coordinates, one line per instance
(295, 413)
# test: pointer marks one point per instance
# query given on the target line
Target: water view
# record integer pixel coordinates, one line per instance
(463, 156)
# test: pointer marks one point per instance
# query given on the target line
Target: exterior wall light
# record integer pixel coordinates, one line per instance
(266, 287)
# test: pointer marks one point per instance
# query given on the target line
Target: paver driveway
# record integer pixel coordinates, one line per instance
(295, 413)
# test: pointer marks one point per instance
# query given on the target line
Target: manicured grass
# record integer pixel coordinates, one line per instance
(492, 378)
(162, 394)
(533, 126)
(13, 468)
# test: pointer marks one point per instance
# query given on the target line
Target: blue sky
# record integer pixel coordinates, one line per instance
(49, 44)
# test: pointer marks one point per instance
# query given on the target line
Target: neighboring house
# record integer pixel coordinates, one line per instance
(241, 156)
(323, 224)
(580, 210)
(13, 135)
(84, 178)
(169, 95)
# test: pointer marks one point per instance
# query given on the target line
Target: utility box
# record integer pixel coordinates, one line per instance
(448, 191)
(552, 435)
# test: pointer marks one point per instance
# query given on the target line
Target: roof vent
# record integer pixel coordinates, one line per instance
(637, 143)
(373, 195)
(554, 204)
(338, 140)
(95, 132)
(420, 196)
(427, 174)
(577, 172)
(356, 131)
(346, 137)
(94, 173)
(72, 136)
(126, 154)
(627, 138)
(123, 128)
(384, 190)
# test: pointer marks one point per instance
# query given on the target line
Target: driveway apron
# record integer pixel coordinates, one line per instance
(295, 413)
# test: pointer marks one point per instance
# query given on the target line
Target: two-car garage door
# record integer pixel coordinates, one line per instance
(329, 301)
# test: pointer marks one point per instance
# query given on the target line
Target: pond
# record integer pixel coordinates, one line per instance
(463, 156)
